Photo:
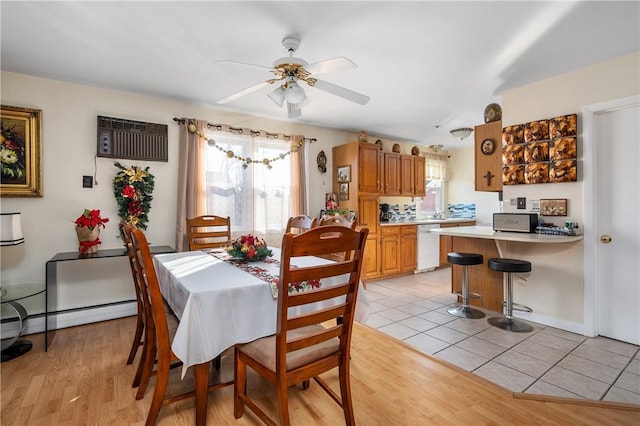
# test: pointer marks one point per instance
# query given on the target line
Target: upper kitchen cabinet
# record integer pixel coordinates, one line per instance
(407, 183)
(369, 168)
(392, 174)
(488, 156)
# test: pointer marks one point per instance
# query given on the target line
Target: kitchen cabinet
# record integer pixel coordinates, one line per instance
(408, 248)
(488, 157)
(391, 173)
(367, 216)
(446, 241)
(419, 181)
(407, 184)
(398, 249)
(369, 167)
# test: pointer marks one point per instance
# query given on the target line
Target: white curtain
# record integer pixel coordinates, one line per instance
(436, 166)
(257, 198)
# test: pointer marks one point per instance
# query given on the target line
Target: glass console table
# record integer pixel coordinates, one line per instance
(52, 281)
(12, 347)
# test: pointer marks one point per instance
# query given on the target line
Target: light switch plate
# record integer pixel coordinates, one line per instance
(522, 203)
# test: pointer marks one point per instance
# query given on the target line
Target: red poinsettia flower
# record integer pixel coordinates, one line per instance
(135, 208)
(128, 191)
(91, 219)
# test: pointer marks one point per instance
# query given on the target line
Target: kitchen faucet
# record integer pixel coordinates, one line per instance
(439, 215)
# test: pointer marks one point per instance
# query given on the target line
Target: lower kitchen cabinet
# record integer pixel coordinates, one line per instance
(398, 249)
(371, 258)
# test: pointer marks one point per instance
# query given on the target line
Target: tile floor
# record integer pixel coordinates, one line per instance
(546, 361)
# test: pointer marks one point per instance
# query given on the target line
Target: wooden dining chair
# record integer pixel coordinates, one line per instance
(208, 231)
(302, 347)
(339, 220)
(300, 224)
(158, 326)
(125, 232)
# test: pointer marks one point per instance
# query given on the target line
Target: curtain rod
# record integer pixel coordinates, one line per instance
(240, 130)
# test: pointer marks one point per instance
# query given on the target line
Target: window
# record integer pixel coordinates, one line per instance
(256, 197)
(436, 174)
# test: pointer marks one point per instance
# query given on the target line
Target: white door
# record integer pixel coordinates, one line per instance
(617, 218)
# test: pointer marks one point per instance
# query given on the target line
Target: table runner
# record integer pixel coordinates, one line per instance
(265, 275)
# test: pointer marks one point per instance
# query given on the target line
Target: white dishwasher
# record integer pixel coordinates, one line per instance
(428, 248)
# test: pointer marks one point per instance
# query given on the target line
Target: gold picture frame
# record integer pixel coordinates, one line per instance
(343, 191)
(20, 152)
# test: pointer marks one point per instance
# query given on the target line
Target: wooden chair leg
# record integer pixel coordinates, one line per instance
(239, 384)
(138, 376)
(283, 403)
(136, 341)
(147, 370)
(345, 392)
(162, 380)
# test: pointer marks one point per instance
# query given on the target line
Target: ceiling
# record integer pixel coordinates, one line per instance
(428, 66)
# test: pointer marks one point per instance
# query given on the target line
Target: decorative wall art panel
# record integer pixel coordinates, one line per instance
(513, 175)
(513, 135)
(548, 155)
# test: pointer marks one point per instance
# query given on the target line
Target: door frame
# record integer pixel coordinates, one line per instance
(590, 201)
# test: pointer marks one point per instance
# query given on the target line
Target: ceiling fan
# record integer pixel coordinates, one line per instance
(290, 70)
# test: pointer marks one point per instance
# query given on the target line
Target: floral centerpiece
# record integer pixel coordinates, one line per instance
(249, 248)
(133, 188)
(88, 230)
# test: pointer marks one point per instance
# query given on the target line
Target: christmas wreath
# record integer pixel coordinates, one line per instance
(133, 188)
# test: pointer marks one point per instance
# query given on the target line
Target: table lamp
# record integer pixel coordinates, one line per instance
(10, 229)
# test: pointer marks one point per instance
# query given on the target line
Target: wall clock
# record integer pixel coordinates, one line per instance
(322, 162)
(488, 146)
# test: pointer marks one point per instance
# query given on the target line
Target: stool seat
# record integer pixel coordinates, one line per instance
(509, 265)
(465, 258)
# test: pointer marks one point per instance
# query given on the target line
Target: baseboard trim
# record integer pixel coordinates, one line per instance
(80, 316)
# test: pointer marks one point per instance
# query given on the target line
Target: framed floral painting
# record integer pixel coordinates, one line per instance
(20, 152)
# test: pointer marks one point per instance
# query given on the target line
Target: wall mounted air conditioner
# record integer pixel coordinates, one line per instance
(132, 140)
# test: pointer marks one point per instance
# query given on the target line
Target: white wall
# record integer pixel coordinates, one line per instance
(69, 145)
(558, 294)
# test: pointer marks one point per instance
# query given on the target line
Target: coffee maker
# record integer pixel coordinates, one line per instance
(385, 214)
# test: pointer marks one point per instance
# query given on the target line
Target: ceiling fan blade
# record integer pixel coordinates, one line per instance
(244, 64)
(347, 94)
(243, 92)
(336, 64)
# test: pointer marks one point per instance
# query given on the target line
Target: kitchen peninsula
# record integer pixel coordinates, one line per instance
(554, 288)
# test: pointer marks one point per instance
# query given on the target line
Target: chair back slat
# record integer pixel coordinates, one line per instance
(208, 231)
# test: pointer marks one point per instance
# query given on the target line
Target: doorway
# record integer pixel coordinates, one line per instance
(612, 219)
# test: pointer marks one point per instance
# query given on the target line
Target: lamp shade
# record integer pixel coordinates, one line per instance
(294, 94)
(461, 133)
(10, 229)
(277, 96)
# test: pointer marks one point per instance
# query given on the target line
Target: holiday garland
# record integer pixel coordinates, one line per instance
(133, 188)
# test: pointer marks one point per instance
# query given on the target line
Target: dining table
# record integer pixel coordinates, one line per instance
(221, 301)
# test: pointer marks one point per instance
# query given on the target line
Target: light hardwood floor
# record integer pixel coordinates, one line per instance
(84, 379)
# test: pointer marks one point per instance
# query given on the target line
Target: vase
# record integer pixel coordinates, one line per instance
(89, 239)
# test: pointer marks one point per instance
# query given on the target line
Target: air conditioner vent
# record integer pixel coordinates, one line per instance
(132, 140)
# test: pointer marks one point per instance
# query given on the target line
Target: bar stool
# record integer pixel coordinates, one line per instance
(465, 260)
(508, 322)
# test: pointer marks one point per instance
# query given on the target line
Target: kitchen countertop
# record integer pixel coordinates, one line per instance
(425, 221)
(487, 232)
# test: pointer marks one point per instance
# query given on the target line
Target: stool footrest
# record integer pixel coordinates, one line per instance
(470, 295)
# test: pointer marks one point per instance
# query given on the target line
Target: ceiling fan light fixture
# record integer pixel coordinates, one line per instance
(294, 94)
(293, 110)
(277, 96)
(461, 133)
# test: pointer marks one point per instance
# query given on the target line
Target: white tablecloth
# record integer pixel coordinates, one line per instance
(220, 305)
